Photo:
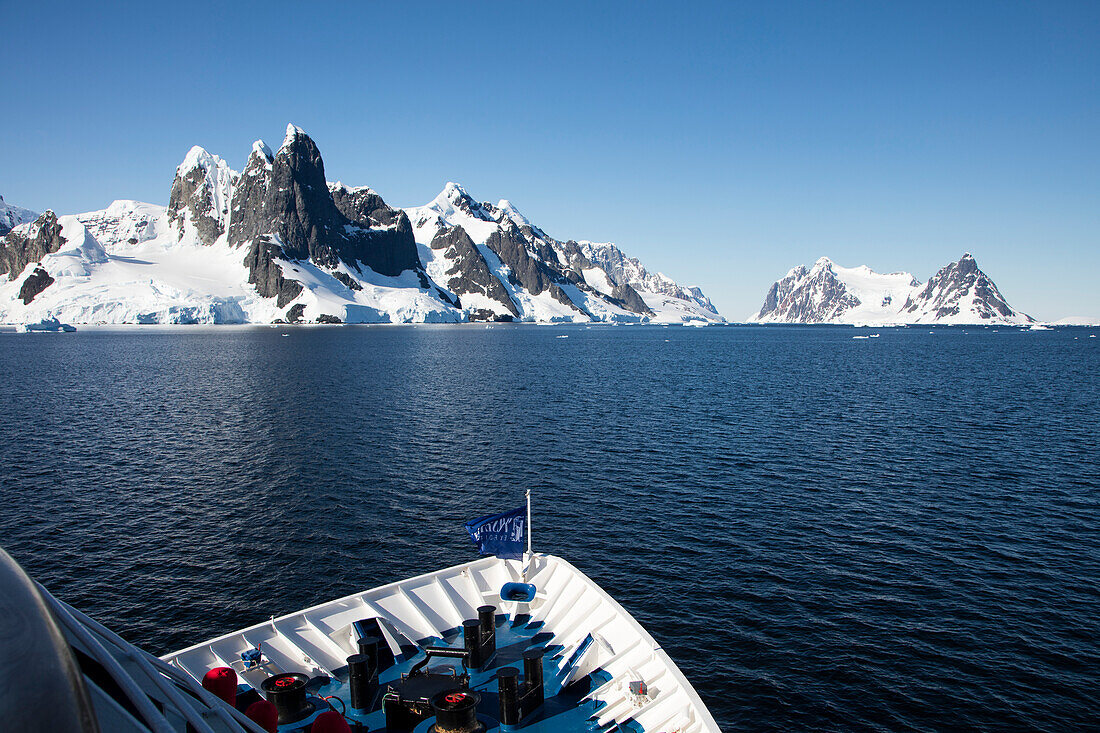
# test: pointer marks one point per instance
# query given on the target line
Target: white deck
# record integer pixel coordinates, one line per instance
(318, 640)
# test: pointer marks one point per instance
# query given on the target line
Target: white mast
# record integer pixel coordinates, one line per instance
(528, 521)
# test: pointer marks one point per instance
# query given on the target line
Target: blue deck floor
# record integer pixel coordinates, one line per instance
(563, 710)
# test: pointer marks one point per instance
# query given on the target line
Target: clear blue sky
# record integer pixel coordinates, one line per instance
(721, 143)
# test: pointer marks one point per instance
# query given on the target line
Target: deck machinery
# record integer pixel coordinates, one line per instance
(528, 645)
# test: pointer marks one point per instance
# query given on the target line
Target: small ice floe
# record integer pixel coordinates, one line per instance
(874, 335)
(46, 325)
(285, 335)
(861, 337)
(561, 336)
(1039, 327)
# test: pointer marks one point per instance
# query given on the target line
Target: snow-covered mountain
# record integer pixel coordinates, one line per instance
(278, 242)
(959, 293)
(502, 266)
(13, 216)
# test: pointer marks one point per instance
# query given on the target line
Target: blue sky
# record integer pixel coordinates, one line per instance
(721, 143)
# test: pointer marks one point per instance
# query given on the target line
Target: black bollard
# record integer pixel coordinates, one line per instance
(508, 687)
(368, 647)
(362, 679)
(532, 679)
(471, 641)
(487, 615)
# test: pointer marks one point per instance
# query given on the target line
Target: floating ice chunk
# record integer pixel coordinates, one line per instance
(46, 325)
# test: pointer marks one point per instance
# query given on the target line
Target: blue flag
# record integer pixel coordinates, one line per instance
(500, 534)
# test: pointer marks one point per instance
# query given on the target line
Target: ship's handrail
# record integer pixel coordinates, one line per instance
(162, 676)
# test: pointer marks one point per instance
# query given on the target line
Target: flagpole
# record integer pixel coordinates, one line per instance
(528, 521)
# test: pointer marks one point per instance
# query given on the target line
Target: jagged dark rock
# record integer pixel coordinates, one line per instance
(35, 283)
(294, 315)
(531, 273)
(816, 301)
(267, 275)
(623, 270)
(249, 193)
(348, 281)
(628, 298)
(246, 226)
(390, 230)
(510, 243)
(470, 273)
(542, 246)
(284, 207)
(622, 293)
(293, 202)
(481, 314)
(327, 319)
(20, 248)
(365, 206)
(537, 263)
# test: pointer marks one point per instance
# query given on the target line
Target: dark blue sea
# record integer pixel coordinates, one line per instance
(825, 533)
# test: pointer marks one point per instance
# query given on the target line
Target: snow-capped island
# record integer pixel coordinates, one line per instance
(959, 293)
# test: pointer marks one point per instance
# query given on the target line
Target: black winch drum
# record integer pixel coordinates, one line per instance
(287, 692)
(456, 712)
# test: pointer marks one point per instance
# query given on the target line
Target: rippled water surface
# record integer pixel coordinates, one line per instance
(824, 532)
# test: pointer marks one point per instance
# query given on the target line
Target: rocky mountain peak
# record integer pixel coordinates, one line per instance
(13, 216)
(197, 157)
(30, 244)
(452, 191)
(200, 196)
(504, 209)
(454, 196)
(959, 289)
(808, 296)
(261, 151)
(293, 132)
(287, 210)
(362, 204)
(967, 264)
(298, 164)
